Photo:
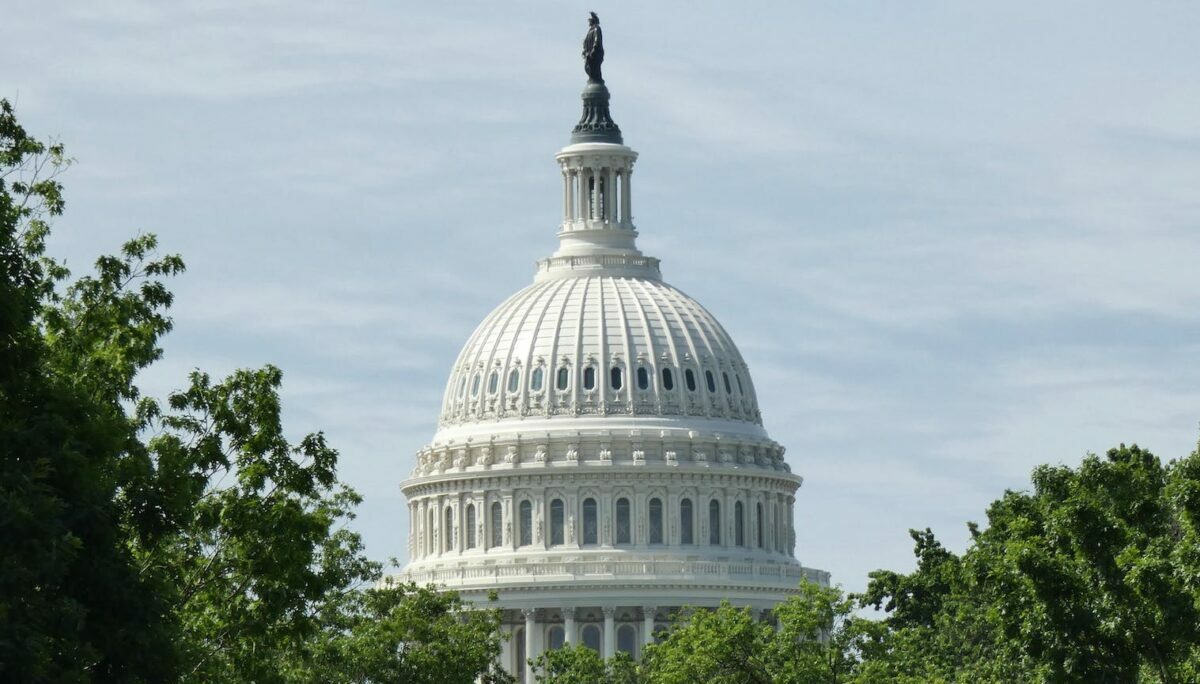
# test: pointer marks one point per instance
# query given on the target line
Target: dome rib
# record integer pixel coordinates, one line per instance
(596, 319)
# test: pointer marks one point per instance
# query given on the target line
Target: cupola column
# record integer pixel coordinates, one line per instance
(626, 215)
(566, 195)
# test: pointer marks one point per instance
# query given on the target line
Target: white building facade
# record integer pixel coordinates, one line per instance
(600, 460)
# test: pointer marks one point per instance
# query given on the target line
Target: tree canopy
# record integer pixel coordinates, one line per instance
(185, 540)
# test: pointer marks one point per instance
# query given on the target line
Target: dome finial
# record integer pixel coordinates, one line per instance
(593, 50)
(596, 124)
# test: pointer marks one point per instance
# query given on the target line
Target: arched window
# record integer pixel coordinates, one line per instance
(590, 532)
(526, 523)
(758, 525)
(668, 379)
(555, 637)
(448, 531)
(497, 524)
(739, 384)
(689, 379)
(564, 378)
(627, 640)
(462, 387)
(739, 524)
(493, 381)
(614, 378)
(656, 521)
(475, 385)
(519, 654)
(514, 380)
(535, 379)
(708, 380)
(685, 522)
(623, 528)
(470, 526)
(643, 379)
(714, 522)
(725, 377)
(556, 522)
(589, 378)
(591, 637)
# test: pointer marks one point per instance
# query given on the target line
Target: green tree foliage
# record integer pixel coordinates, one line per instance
(1090, 577)
(187, 542)
(817, 640)
(74, 604)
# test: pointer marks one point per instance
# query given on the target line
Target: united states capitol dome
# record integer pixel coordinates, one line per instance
(600, 459)
(600, 345)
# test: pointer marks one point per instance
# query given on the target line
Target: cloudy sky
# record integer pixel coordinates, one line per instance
(953, 240)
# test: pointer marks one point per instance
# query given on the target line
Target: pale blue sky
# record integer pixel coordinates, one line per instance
(953, 240)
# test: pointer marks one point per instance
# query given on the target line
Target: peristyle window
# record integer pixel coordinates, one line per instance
(589, 378)
(564, 378)
(643, 379)
(689, 379)
(497, 524)
(614, 378)
(668, 379)
(656, 521)
(526, 523)
(471, 526)
(556, 522)
(590, 531)
(623, 527)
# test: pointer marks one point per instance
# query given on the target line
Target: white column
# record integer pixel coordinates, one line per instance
(610, 632)
(582, 194)
(506, 646)
(566, 195)
(530, 623)
(610, 194)
(648, 624)
(626, 198)
(595, 213)
(568, 625)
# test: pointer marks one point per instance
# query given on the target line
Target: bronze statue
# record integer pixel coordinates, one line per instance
(593, 50)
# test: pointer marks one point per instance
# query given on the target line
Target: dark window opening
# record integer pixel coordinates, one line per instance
(689, 379)
(643, 378)
(668, 379)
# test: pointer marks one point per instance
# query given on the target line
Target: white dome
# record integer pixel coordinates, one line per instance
(599, 345)
(600, 459)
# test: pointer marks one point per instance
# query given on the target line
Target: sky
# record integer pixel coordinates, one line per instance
(952, 240)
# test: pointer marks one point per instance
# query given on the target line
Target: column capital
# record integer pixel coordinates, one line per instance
(529, 613)
(609, 611)
(650, 610)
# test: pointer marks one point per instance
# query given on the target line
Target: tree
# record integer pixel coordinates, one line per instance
(74, 605)
(1090, 577)
(187, 542)
(818, 640)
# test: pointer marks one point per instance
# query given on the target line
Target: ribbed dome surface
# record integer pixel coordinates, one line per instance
(599, 345)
